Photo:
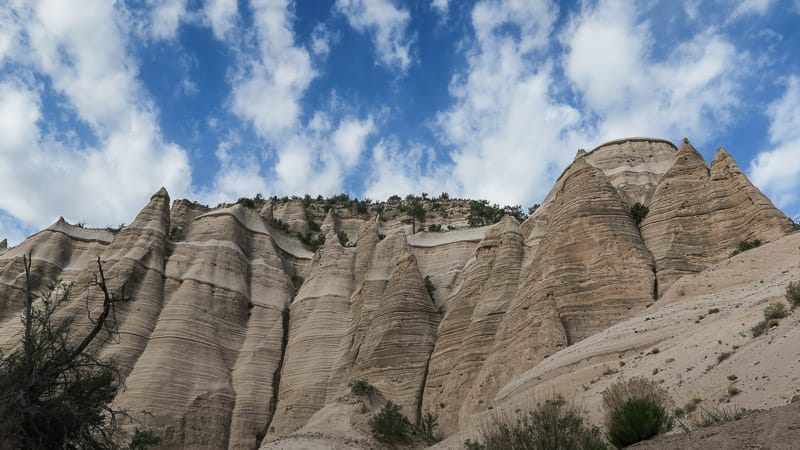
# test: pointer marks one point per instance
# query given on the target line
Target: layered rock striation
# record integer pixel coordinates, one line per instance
(237, 334)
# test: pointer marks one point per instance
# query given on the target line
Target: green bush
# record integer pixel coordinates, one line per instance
(429, 286)
(390, 426)
(746, 245)
(775, 311)
(435, 227)
(362, 388)
(639, 212)
(551, 425)
(636, 410)
(636, 420)
(343, 239)
(425, 430)
(793, 294)
(759, 328)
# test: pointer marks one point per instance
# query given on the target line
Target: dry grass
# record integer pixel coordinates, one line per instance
(620, 392)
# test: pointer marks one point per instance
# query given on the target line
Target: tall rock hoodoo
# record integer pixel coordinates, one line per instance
(248, 321)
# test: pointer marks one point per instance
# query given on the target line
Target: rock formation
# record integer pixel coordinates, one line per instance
(238, 334)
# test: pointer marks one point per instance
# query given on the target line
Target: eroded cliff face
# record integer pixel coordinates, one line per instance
(237, 334)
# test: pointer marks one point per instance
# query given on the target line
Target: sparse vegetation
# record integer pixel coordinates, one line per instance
(746, 245)
(732, 377)
(636, 410)
(775, 311)
(435, 228)
(482, 213)
(390, 426)
(713, 311)
(733, 390)
(793, 294)
(723, 356)
(425, 430)
(362, 388)
(759, 328)
(553, 424)
(297, 281)
(717, 416)
(639, 212)
(343, 239)
(429, 286)
(55, 390)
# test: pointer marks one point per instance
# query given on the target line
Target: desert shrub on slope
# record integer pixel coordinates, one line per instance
(636, 410)
(551, 425)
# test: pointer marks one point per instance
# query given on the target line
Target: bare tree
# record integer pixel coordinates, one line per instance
(55, 391)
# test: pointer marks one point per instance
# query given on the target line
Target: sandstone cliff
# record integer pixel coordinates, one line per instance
(238, 334)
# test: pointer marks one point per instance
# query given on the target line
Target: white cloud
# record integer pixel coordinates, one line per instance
(321, 38)
(386, 23)
(397, 171)
(441, 6)
(221, 15)
(509, 133)
(689, 93)
(349, 139)
(268, 94)
(748, 7)
(42, 176)
(166, 16)
(776, 171)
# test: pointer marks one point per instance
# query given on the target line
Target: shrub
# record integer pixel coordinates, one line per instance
(713, 311)
(636, 410)
(425, 431)
(775, 311)
(429, 285)
(636, 420)
(718, 415)
(362, 388)
(759, 328)
(639, 212)
(793, 294)
(390, 426)
(732, 377)
(343, 239)
(435, 227)
(733, 391)
(723, 356)
(551, 425)
(746, 245)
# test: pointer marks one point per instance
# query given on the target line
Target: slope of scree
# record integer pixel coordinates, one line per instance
(239, 334)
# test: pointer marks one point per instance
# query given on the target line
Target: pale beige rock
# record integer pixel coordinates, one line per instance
(221, 350)
(699, 215)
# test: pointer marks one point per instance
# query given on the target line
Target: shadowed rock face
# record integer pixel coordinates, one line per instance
(237, 334)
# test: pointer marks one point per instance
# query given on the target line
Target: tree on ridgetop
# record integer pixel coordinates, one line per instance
(414, 208)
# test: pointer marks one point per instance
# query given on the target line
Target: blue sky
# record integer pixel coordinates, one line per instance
(101, 102)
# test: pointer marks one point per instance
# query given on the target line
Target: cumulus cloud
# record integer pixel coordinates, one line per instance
(776, 170)
(166, 16)
(441, 6)
(41, 175)
(221, 16)
(268, 92)
(314, 156)
(609, 61)
(387, 25)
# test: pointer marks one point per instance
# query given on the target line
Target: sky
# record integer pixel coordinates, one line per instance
(103, 102)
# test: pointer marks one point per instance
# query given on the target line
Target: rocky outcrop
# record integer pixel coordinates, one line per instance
(237, 334)
(699, 215)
